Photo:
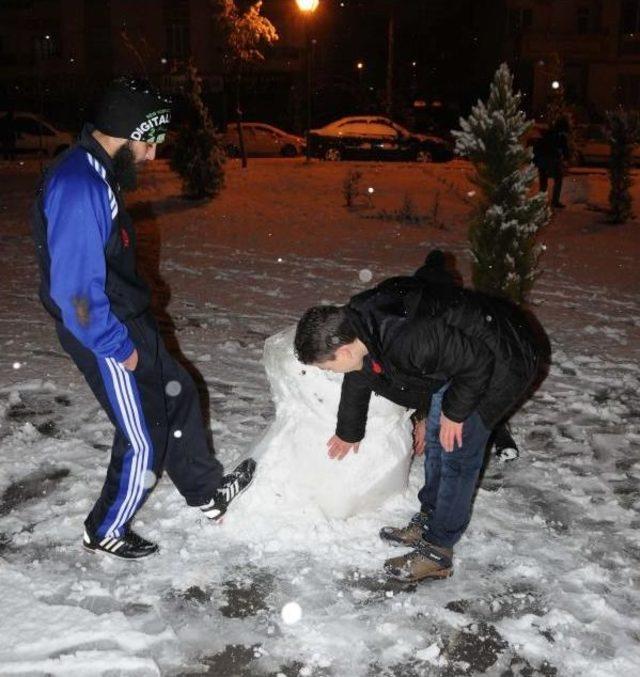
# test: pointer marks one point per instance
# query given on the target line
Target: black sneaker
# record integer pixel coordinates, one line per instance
(129, 546)
(505, 446)
(232, 486)
(507, 453)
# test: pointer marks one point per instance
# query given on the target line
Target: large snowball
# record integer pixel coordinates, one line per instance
(293, 465)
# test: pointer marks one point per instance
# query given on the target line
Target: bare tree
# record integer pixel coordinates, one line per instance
(246, 31)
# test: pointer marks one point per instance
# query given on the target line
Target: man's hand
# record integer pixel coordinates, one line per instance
(131, 362)
(450, 433)
(419, 435)
(338, 448)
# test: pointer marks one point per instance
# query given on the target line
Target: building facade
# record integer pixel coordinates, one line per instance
(590, 49)
(56, 54)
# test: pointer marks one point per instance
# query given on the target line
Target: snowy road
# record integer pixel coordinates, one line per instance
(547, 577)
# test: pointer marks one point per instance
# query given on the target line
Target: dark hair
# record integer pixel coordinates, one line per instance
(321, 330)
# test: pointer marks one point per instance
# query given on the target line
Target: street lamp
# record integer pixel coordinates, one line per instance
(308, 7)
(360, 69)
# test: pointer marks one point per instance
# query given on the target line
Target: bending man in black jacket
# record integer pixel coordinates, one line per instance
(465, 358)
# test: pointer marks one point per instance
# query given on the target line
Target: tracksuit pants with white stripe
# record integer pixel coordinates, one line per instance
(156, 413)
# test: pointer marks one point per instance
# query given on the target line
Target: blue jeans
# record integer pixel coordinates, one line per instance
(450, 477)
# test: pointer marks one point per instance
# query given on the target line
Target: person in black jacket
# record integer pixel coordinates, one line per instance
(85, 243)
(550, 153)
(466, 358)
(440, 268)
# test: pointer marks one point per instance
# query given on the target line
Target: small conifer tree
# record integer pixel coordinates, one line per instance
(623, 128)
(197, 155)
(507, 218)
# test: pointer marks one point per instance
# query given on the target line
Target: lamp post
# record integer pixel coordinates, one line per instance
(308, 7)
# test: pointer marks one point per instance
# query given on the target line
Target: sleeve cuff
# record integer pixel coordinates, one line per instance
(124, 351)
(351, 439)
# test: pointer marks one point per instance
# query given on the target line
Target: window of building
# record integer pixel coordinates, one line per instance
(519, 20)
(629, 27)
(178, 46)
(629, 90)
(44, 47)
(630, 16)
(583, 20)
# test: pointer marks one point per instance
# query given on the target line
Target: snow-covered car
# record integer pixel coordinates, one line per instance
(35, 135)
(592, 146)
(262, 140)
(376, 138)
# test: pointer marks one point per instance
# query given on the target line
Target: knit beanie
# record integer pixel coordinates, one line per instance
(133, 109)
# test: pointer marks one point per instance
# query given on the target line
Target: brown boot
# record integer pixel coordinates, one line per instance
(408, 536)
(427, 561)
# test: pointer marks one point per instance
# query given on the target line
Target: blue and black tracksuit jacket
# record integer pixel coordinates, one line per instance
(85, 244)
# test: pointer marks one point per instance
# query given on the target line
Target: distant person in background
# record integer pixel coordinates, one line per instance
(8, 136)
(550, 153)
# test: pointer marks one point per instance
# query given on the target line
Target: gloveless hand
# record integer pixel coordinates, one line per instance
(450, 433)
(131, 362)
(338, 448)
(419, 436)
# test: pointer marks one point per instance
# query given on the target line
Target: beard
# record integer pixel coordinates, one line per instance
(124, 169)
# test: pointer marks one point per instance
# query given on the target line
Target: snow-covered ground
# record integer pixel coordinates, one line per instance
(547, 576)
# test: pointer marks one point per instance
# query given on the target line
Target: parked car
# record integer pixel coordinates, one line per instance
(34, 135)
(261, 140)
(592, 146)
(376, 138)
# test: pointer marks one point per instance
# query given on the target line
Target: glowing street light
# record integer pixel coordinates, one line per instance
(360, 69)
(308, 7)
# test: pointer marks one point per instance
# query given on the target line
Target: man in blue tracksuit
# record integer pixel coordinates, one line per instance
(86, 244)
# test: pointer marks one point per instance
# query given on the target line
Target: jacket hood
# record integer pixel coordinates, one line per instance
(379, 313)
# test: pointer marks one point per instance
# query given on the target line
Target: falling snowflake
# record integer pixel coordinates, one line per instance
(149, 479)
(173, 388)
(291, 613)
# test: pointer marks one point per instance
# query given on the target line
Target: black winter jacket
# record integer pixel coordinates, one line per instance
(422, 334)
